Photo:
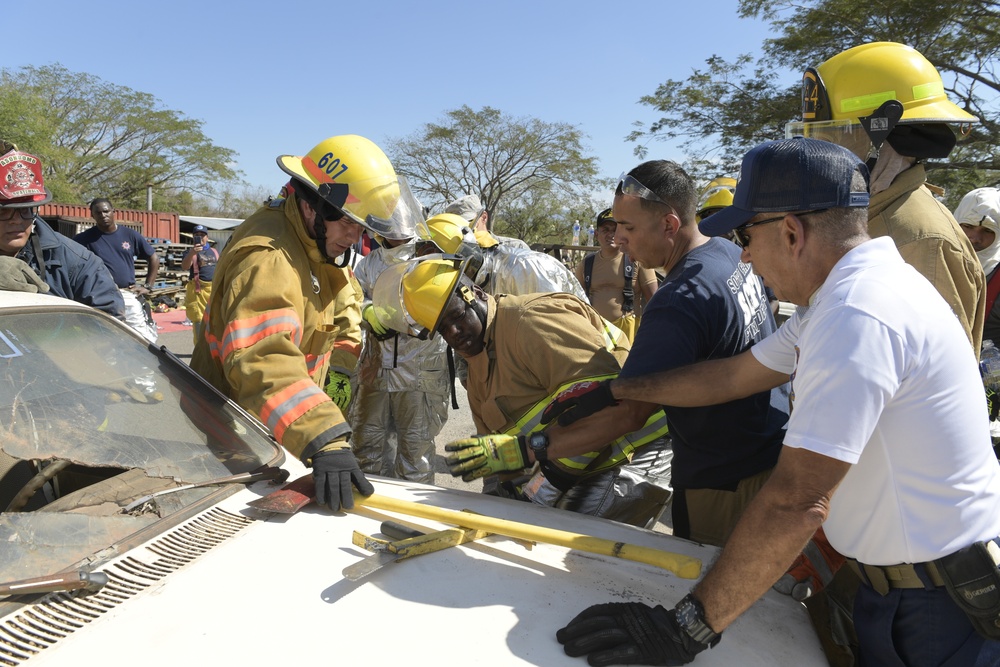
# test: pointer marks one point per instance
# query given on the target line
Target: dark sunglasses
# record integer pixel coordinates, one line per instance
(743, 240)
(26, 213)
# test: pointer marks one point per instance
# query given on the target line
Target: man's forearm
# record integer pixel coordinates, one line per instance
(154, 269)
(704, 383)
(775, 527)
(595, 432)
(761, 548)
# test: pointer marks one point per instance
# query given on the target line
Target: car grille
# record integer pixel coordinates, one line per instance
(57, 615)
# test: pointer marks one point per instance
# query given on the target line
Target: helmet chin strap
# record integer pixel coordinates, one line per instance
(878, 126)
(344, 257)
(319, 229)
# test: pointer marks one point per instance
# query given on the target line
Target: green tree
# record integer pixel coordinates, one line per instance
(722, 110)
(97, 139)
(529, 173)
(233, 200)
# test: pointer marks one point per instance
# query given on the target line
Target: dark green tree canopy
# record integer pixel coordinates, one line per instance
(530, 174)
(725, 108)
(97, 139)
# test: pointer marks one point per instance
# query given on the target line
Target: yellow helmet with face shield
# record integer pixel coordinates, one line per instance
(412, 296)
(449, 232)
(855, 85)
(350, 173)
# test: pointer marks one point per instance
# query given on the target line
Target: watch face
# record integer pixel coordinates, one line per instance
(539, 444)
(687, 613)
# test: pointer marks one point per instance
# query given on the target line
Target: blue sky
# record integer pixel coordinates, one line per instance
(268, 78)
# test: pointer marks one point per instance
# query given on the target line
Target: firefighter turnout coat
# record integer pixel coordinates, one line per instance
(279, 317)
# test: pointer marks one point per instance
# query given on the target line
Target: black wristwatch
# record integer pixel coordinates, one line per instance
(538, 443)
(691, 617)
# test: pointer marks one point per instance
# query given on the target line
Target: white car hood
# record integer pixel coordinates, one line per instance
(271, 592)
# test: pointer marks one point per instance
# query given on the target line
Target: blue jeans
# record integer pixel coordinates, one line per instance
(914, 626)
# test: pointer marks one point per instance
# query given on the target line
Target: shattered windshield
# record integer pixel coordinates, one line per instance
(92, 419)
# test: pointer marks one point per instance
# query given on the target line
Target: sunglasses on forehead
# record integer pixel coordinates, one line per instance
(629, 185)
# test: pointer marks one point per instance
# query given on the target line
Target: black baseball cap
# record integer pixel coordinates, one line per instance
(797, 174)
(604, 218)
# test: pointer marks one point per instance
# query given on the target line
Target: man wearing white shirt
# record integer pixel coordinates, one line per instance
(887, 445)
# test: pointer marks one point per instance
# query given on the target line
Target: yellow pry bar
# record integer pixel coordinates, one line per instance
(416, 546)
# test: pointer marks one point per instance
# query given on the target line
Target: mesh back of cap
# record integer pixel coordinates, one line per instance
(796, 175)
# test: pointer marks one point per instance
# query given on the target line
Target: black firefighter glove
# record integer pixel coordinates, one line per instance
(578, 401)
(628, 633)
(334, 471)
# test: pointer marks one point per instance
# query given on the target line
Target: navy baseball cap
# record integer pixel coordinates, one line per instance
(797, 174)
(200, 228)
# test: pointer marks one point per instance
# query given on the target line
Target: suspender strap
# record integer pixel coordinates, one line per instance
(36, 245)
(628, 295)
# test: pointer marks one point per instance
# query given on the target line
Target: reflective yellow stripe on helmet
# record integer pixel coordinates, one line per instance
(851, 105)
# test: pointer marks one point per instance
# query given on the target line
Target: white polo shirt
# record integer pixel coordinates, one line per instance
(885, 379)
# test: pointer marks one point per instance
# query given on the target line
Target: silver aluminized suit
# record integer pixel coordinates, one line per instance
(511, 270)
(403, 388)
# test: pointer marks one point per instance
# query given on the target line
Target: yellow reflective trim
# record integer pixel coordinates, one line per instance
(924, 90)
(622, 448)
(530, 421)
(612, 455)
(612, 336)
(870, 101)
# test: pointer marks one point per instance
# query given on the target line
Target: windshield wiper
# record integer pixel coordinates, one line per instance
(90, 581)
(243, 478)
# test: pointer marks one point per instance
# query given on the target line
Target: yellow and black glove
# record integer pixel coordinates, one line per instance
(369, 315)
(338, 388)
(486, 455)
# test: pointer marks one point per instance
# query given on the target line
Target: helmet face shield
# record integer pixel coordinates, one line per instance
(850, 135)
(376, 197)
(402, 223)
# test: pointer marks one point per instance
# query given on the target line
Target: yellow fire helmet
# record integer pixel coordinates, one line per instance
(717, 195)
(411, 297)
(349, 172)
(449, 232)
(855, 83)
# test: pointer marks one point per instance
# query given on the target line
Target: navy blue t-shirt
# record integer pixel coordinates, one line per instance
(118, 249)
(206, 260)
(712, 306)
